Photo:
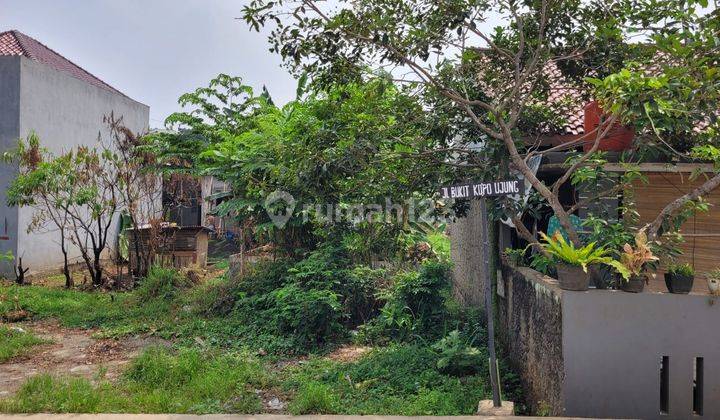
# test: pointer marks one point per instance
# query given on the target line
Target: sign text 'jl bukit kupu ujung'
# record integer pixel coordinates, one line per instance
(482, 189)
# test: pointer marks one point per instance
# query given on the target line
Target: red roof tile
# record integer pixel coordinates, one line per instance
(568, 98)
(16, 43)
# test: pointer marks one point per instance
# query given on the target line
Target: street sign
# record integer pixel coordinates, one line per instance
(483, 189)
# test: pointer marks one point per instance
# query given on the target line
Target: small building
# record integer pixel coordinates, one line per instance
(43, 92)
(666, 181)
(172, 245)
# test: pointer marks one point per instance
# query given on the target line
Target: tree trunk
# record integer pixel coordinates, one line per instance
(66, 269)
(20, 272)
(97, 275)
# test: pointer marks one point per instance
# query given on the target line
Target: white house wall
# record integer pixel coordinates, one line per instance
(9, 132)
(65, 112)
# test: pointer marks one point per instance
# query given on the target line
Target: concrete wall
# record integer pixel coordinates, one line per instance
(613, 344)
(598, 353)
(9, 132)
(466, 254)
(529, 319)
(65, 112)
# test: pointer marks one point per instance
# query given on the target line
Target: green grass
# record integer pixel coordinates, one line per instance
(158, 381)
(213, 370)
(72, 307)
(151, 307)
(15, 343)
(314, 398)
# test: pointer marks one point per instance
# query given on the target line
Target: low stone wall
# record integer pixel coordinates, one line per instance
(529, 318)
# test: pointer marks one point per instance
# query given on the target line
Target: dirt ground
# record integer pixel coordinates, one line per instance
(70, 352)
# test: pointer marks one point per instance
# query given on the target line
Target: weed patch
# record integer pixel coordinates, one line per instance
(158, 381)
(16, 343)
(397, 380)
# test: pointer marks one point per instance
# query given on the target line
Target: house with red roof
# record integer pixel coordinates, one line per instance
(45, 92)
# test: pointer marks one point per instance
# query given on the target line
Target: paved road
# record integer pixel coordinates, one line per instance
(233, 417)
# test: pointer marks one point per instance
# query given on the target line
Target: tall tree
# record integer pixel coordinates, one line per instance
(448, 51)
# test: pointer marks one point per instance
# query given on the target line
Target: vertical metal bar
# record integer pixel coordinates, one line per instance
(494, 380)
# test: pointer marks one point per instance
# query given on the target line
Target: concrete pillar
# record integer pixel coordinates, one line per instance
(466, 254)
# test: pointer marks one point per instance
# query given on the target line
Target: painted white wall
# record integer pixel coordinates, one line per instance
(65, 112)
(9, 132)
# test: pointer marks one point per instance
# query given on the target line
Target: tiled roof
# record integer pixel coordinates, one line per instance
(567, 97)
(16, 43)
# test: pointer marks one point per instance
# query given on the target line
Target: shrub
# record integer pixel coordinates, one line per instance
(161, 284)
(415, 305)
(360, 294)
(264, 277)
(323, 268)
(457, 357)
(440, 243)
(310, 317)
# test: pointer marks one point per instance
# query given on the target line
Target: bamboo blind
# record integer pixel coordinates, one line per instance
(701, 232)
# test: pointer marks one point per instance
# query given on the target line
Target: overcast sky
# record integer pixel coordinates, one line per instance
(153, 50)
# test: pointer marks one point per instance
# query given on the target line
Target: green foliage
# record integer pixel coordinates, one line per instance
(311, 317)
(343, 146)
(515, 256)
(543, 264)
(456, 356)
(15, 343)
(284, 311)
(359, 292)
(158, 381)
(314, 398)
(681, 269)
(414, 305)
(440, 243)
(395, 380)
(608, 235)
(565, 251)
(161, 284)
(73, 308)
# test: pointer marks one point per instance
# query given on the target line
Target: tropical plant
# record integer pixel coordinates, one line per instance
(457, 356)
(681, 269)
(635, 260)
(565, 251)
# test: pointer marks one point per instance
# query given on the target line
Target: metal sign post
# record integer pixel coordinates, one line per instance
(494, 380)
(482, 190)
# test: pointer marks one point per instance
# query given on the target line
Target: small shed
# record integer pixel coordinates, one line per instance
(174, 246)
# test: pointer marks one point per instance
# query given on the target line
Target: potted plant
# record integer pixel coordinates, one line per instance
(572, 262)
(713, 282)
(679, 278)
(635, 262)
(611, 236)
